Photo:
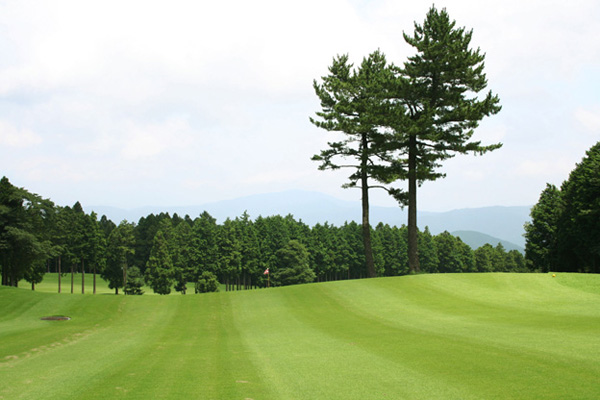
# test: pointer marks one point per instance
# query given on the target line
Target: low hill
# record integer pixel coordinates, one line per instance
(449, 336)
(477, 239)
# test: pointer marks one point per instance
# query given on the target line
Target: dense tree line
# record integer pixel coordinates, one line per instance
(167, 252)
(564, 232)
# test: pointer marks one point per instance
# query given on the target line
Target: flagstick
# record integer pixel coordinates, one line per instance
(268, 274)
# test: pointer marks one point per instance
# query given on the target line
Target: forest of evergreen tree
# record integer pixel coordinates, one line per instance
(37, 237)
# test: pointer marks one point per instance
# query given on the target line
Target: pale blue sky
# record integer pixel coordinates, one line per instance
(133, 103)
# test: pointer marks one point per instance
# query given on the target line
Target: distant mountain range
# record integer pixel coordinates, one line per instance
(477, 239)
(495, 224)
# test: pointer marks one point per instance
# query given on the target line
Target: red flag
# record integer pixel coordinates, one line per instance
(266, 272)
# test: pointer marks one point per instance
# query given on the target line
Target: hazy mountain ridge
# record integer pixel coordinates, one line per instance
(501, 223)
(478, 239)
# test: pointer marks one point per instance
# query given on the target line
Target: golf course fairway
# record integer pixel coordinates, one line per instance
(452, 336)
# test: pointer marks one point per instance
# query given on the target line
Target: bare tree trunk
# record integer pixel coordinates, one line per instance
(59, 274)
(4, 272)
(366, 227)
(124, 277)
(413, 252)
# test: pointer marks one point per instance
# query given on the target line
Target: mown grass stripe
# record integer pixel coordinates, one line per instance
(420, 337)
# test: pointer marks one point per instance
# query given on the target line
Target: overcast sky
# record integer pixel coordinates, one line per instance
(134, 103)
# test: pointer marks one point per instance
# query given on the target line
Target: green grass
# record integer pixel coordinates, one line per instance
(50, 285)
(455, 336)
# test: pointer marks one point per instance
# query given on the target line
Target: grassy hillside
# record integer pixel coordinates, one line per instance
(476, 336)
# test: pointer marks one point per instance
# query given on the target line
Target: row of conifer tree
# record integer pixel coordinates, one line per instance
(37, 236)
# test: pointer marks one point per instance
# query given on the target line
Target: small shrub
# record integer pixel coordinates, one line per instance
(207, 283)
(135, 282)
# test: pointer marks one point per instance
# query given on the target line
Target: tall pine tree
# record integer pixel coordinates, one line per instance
(437, 107)
(352, 103)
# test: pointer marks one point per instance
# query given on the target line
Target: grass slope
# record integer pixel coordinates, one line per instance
(476, 336)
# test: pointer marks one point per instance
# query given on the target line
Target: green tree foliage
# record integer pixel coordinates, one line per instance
(515, 262)
(541, 233)
(437, 93)
(205, 248)
(106, 226)
(322, 250)
(499, 258)
(401, 123)
(145, 230)
(182, 255)
(135, 282)
(120, 251)
(251, 267)
(484, 257)
(351, 259)
(564, 231)
(292, 265)
(96, 245)
(230, 246)
(34, 231)
(207, 282)
(160, 272)
(453, 254)
(391, 251)
(428, 258)
(352, 103)
(24, 243)
(579, 224)
(273, 234)
(84, 243)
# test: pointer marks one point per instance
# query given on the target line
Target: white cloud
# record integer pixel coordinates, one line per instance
(12, 136)
(210, 99)
(544, 168)
(589, 118)
(147, 140)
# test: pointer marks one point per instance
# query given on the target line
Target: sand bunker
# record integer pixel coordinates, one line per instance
(56, 318)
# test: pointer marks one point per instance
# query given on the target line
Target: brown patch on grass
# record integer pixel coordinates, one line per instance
(56, 318)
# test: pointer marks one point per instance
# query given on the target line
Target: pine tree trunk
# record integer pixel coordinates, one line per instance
(94, 279)
(413, 252)
(59, 274)
(366, 227)
(124, 277)
(82, 277)
(72, 278)
(4, 273)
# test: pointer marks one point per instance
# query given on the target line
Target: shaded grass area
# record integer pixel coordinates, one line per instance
(475, 336)
(50, 285)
